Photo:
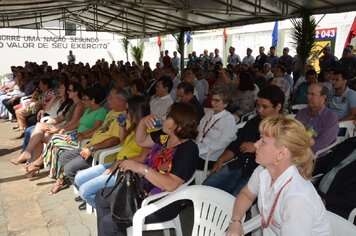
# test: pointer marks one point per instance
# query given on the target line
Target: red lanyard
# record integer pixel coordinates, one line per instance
(205, 132)
(264, 223)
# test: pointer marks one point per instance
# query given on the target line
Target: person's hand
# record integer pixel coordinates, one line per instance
(109, 170)
(39, 115)
(132, 165)
(149, 121)
(67, 138)
(85, 153)
(61, 131)
(235, 229)
(247, 147)
(11, 101)
(217, 166)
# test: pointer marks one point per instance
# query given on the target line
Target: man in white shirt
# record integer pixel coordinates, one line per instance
(249, 59)
(216, 58)
(175, 62)
(190, 76)
(162, 100)
(233, 58)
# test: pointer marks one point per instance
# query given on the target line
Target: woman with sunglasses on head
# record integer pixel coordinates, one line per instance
(286, 198)
(64, 111)
(170, 164)
(91, 180)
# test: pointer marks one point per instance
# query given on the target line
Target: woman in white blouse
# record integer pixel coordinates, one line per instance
(287, 200)
(217, 128)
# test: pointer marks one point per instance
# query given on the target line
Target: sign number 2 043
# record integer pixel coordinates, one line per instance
(325, 33)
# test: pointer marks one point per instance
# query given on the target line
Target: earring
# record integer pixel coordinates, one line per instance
(276, 161)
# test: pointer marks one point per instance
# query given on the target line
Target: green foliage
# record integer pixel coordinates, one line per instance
(125, 45)
(180, 41)
(137, 52)
(303, 35)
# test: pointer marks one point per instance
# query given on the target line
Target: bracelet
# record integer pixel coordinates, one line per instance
(234, 221)
(145, 171)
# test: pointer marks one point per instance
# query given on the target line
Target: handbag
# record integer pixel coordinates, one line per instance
(127, 195)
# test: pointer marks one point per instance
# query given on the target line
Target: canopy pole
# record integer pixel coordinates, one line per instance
(181, 46)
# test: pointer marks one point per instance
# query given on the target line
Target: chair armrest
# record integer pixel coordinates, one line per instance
(151, 198)
(101, 154)
(352, 216)
(252, 224)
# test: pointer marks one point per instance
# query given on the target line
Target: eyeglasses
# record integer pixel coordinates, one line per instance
(215, 100)
(70, 90)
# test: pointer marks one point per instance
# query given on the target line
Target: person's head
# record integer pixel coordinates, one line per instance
(311, 76)
(70, 52)
(75, 90)
(137, 108)
(36, 93)
(272, 50)
(200, 75)
(185, 92)
(316, 96)
(93, 96)
(328, 74)
(216, 51)
(221, 97)
(231, 50)
(164, 86)
(284, 142)
(248, 51)
(266, 68)
(166, 52)
(285, 51)
(347, 52)
(261, 50)
(121, 79)
(246, 82)
(63, 88)
(137, 87)
(117, 99)
(206, 52)
(339, 80)
(256, 69)
(279, 71)
(270, 101)
(175, 53)
(181, 120)
(189, 75)
(45, 84)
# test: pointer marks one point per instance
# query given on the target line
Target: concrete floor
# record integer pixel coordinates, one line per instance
(26, 208)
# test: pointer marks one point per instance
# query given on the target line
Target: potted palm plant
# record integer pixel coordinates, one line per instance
(137, 52)
(125, 45)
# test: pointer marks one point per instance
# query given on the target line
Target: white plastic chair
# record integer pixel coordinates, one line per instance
(248, 116)
(324, 151)
(349, 126)
(212, 209)
(165, 226)
(297, 107)
(352, 216)
(339, 225)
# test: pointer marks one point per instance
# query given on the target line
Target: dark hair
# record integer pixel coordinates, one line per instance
(138, 107)
(224, 92)
(46, 81)
(282, 67)
(257, 66)
(340, 72)
(246, 82)
(67, 102)
(186, 86)
(274, 94)
(140, 86)
(311, 72)
(166, 82)
(77, 87)
(95, 93)
(185, 116)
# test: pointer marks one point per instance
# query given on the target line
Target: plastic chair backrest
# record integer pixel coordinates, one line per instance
(212, 209)
(297, 107)
(346, 129)
(341, 226)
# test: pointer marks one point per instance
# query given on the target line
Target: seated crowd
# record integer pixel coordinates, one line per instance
(73, 111)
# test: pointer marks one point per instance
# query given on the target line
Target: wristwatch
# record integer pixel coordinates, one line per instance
(92, 149)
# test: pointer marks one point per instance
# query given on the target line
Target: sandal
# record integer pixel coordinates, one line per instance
(32, 170)
(56, 188)
(18, 161)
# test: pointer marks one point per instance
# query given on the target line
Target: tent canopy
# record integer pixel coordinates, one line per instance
(147, 18)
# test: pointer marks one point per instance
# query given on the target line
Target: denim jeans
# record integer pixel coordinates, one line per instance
(92, 180)
(231, 181)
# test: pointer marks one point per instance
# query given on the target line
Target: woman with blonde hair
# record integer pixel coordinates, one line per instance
(287, 200)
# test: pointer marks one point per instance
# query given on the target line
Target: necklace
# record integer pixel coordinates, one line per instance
(265, 223)
(205, 132)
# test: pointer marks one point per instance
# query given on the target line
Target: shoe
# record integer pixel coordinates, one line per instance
(56, 188)
(78, 199)
(82, 206)
(32, 170)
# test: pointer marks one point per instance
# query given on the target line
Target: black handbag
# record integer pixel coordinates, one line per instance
(128, 195)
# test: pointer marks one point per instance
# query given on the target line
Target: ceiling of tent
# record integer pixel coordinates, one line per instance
(147, 18)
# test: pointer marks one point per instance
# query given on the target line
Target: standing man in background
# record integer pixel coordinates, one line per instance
(71, 58)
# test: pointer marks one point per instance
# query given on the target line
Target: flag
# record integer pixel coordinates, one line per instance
(189, 38)
(275, 34)
(352, 33)
(225, 35)
(159, 43)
